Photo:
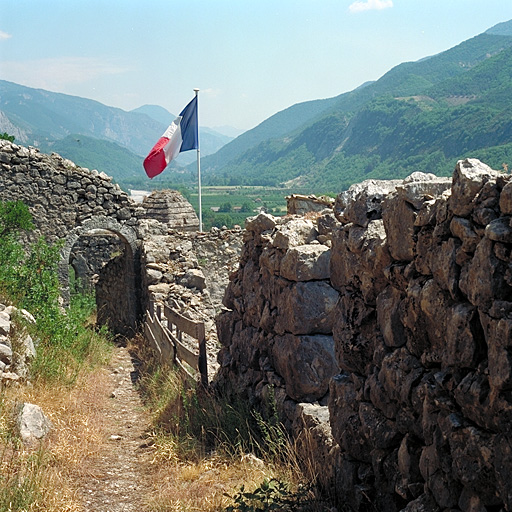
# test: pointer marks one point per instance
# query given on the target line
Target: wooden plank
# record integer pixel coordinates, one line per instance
(188, 375)
(151, 339)
(166, 344)
(182, 323)
(183, 353)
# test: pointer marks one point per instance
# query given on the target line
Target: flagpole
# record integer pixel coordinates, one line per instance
(199, 167)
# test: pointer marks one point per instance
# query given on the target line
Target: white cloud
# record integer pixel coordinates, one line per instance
(4, 35)
(56, 73)
(212, 93)
(370, 5)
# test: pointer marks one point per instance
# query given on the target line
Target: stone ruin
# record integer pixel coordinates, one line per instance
(171, 209)
(384, 327)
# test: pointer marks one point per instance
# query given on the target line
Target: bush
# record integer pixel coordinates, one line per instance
(28, 279)
(6, 136)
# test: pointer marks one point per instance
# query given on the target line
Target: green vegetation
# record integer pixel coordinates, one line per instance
(28, 279)
(421, 115)
(6, 136)
(109, 157)
(66, 349)
(273, 494)
(231, 205)
(191, 424)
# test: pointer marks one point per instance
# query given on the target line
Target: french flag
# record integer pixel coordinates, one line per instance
(182, 135)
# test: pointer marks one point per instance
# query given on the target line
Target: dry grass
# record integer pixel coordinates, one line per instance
(77, 435)
(203, 485)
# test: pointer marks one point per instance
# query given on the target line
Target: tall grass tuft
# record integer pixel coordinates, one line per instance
(198, 433)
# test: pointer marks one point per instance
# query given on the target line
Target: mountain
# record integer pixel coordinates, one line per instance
(44, 116)
(52, 120)
(210, 140)
(275, 126)
(420, 115)
(160, 114)
(109, 157)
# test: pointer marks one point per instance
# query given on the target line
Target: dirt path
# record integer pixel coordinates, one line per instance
(117, 480)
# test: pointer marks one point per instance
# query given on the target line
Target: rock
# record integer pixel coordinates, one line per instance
(5, 323)
(499, 230)
(299, 205)
(306, 363)
(5, 354)
(359, 258)
(260, 223)
(153, 276)
(420, 187)
(399, 222)
(463, 229)
(506, 199)
(306, 263)
(293, 233)
(33, 425)
(482, 279)
(362, 202)
(306, 308)
(469, 178)
(194, 278)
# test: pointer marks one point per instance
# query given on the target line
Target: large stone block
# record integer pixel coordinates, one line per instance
(362, 202)
(482, 280)
(399, 221)
(306, 364)
(293, 233)
(388, 315)
(344, 399)
(356, 334)
(306, 263)
(306, 308)
(359, 258)
(469, 177)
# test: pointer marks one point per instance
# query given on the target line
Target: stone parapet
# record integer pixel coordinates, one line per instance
(420, 325)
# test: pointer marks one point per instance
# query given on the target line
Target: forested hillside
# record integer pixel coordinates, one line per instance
(419, 116)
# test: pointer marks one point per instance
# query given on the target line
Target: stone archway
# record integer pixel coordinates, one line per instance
(118, 292)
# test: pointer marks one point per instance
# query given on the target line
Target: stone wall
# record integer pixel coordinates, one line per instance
(189, 272)
(386, 329)
(96, 220)
(60, 194)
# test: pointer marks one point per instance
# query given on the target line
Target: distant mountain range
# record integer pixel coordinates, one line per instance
(422, 115)
(88, 132)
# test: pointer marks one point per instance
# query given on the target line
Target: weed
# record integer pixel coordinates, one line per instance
(274, 494)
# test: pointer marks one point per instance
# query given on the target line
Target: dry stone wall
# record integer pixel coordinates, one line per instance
(60, 194)
(385, 327)
(96, 220)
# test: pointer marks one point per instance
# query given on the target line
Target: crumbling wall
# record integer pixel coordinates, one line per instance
(396, 354)
(60, 194)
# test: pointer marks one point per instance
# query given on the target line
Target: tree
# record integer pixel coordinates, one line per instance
(226, 207)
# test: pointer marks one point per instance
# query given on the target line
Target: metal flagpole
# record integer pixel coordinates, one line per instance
(199, 166)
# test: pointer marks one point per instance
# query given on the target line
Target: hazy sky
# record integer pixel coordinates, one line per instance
(250, 58)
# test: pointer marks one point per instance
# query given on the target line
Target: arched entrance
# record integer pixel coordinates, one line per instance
(118, 287)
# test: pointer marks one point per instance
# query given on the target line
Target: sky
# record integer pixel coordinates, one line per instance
(249, 58)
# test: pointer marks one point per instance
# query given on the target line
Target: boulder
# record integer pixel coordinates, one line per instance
(33, 425)
(295, 232)
(306, 308)
(362, 202)
(469, 178)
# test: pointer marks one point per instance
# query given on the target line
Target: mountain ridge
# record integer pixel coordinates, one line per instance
(330, 141)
